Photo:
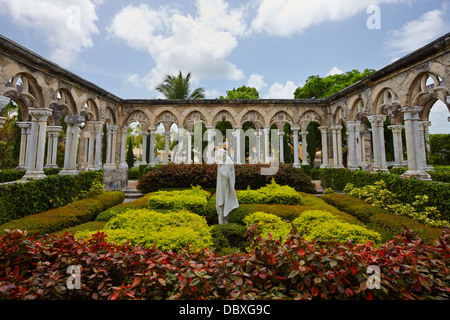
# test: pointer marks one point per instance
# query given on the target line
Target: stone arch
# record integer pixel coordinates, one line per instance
(307, 117)
(280, 119)
(24, 90)
(339, 115)
(388, 103)
(192, 118)
(90, 110)
(223, 116)
(110, 116)
(425, 90)
(358, 110)
(140, 117)
(62, 104)
(167, 118)
(253, 117)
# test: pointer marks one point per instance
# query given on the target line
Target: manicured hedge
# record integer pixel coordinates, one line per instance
(22, 199)
(14, 175)
(204, 175)
(299, 269)
(76, 213)
(380, 220)
(406, 189)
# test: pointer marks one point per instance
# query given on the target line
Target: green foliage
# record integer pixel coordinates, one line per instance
(165, 231)
(440, 149)
(272, 193)
(242, 93)
(107, 215)
(70, 215)
(204, 175)
(380, 220)
(320, 88)
(22, 199)
(133, 174)
(227, 238)
(313, 141)
(324, 226)
(316, 225)
(378, 195)
(179, 88)
(194, 200)
(406, 189)
(130, 155)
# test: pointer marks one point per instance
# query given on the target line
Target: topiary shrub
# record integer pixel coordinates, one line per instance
(194, 200)
(272, 193)
(228, 238)
(165, 231)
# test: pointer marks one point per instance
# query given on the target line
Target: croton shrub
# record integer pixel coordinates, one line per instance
(298, 269)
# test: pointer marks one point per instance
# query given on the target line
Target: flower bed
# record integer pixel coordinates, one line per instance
(298, 269)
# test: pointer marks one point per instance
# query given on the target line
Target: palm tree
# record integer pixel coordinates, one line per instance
(178, 88)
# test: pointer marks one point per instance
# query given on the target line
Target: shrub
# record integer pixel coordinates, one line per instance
(204, 175)
(324, 226)
(440, 176)
(76, 213)
(317, 225)
(107, 215)
(133, 174)
(298, 269)
(11, 175)
(228, 238)
(22, 199)
(194, 200)
(380, 220)
(405, 189)
(270, 194)
(166, 231)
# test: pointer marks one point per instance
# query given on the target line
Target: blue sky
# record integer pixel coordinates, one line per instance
(127, 47)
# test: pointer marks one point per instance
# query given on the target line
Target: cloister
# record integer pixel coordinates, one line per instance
(403, 91)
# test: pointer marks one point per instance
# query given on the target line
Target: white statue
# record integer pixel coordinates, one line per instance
(226, 199)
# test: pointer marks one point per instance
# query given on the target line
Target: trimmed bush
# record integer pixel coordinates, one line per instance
(194, 200)
(204, 175)
(270, 194)
(133, 174)
(406, 189)
(107, 215)
(76, 213)
(22, 199)
(380, 220)
(166, 231)
(228, 238)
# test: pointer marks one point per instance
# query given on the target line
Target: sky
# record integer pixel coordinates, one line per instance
(128, 47)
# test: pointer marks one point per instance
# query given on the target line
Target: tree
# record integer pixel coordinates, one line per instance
(313, 141)
(178, 88)
(130, 154)
(321, 88)
(440, 149)
(242, 93)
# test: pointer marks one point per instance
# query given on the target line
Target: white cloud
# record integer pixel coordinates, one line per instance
(335, 71)
(418, 33)
(288, 17)
(281, 91)
(198, 44)
(67, 26)
(439, 118)
(256, 81)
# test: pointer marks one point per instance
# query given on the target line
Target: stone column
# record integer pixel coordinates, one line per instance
(415, 165)
(425, 144)
(98, 145)
(108, 146)
(91, 149)
(324, 132)
(72, 138)
(166, 155)
(379, 149)
(35, 167)
(238, 151)
(352, 164)
(281, 137)
(304, 134)
(189, 148)
(114, 130)
(152, 146)
(258, 146)
(266, 145)
(358, 143)
(123, 147)
(24, 134)
(145, 135)
(398, 145)
(337, 151)
(52, 146)
(295, 131)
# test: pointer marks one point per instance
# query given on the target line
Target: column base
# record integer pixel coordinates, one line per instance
(69, 172)
(397, 166)
(379, 169)
(428, 168)
(123, 166)
(353, 168)
(338, 166)
(325, 166)
(34, 175)
(297, 165)
(93, 168)
(21, 168)
(416, 174)
(51, 166)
